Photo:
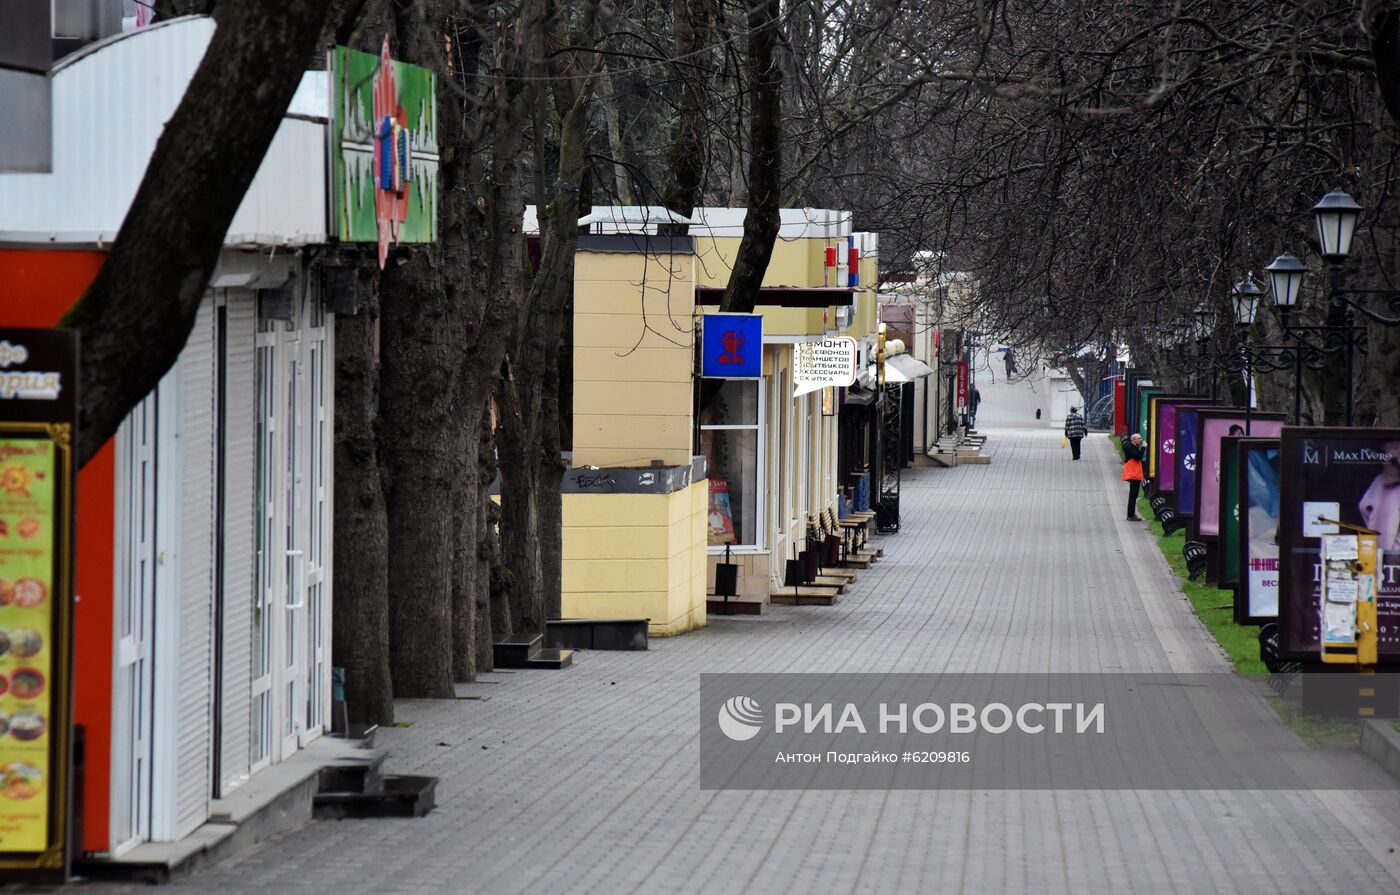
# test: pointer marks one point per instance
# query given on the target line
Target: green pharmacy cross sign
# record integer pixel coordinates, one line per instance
(384, 150)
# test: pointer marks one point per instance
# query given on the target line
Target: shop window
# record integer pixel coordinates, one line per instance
(729, 439)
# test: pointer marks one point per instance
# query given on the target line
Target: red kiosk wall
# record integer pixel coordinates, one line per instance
(37, 286)
(1120, 406)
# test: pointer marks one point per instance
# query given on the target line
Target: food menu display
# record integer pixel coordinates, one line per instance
(28, 482)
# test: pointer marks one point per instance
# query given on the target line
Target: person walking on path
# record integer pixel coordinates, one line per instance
(972, 404)
(1134, 452)
(1075, 430)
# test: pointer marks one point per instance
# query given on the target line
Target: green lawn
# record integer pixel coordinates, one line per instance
(1213, 606)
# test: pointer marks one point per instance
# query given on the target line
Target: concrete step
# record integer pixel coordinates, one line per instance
(273, 802)
(859, 561)
(805, 596)
(398, 795)
(743, 604)
(516, 653)
(621, 634)
(353, 773)
(551, 658)
(831, 581)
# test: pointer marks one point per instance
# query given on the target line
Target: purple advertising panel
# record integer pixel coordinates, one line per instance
(1166, 438)
(1256, 598)
(1215, 425)
(1352, 476)
(1186, 460)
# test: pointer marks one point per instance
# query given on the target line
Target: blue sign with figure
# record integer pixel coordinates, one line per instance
(732, 346)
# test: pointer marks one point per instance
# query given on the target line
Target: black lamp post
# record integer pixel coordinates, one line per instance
(1245, 297)
(1201, 327)
(1336, 215)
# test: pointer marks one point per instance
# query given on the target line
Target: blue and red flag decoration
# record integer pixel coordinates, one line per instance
(731, 346)
(854, 263)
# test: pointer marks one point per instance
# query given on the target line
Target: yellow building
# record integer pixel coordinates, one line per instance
(641, 531)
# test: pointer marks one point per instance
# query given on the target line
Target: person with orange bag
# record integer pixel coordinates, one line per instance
(1134, 452)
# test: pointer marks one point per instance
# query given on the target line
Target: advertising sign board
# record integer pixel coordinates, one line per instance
(1213, 425)
(1186, 461)
(830, 362)
(1159, 441)
(1257, 473)
(38, 410)
(731, 346)
(1349, 476)
(384, 150)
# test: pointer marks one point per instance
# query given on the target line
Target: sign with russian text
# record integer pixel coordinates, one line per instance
(830, 362)
(962, 383)
(1354, 474)
(38, 380)
(731, 346)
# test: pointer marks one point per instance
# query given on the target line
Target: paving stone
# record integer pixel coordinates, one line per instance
(589, 778)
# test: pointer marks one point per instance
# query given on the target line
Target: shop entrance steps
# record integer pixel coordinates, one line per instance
(529, 652)
(332, 776)
(805, 595)
(356, 786)
(743, 604)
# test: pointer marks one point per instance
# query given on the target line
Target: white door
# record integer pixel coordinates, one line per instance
(291, 684)
(269, 550)
(135, 615)
(316, 476)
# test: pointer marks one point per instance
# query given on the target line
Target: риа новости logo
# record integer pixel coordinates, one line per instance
(740, 718)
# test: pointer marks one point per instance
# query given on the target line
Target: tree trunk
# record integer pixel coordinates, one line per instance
(492, 608)
(420, 452)
(531, 467)
(360, 597)
(694, 32)
(761, 223)
(149, 290)
(466, 512)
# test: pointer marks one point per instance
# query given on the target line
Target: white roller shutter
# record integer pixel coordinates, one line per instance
(195, 695)
(239, 578)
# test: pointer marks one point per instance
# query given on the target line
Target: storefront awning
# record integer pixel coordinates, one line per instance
(910, 368)
(857, 395)
(899, 369)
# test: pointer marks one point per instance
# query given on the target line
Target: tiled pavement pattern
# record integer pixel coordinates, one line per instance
(586, 779)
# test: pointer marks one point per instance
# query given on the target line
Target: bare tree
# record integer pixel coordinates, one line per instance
(149, 289)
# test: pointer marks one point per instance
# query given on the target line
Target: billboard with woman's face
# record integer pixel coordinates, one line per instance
(1350, 476)
(1257, 469)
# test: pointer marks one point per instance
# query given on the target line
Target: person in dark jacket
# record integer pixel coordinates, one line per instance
(1075, 430)
(1134, 455)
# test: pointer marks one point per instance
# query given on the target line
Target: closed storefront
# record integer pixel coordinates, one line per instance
(222, 571)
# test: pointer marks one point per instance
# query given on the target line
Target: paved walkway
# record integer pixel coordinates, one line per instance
(586, 780)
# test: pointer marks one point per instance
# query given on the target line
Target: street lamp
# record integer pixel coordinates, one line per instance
(1286, 283)
(1336, 215)
(1245, 296)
